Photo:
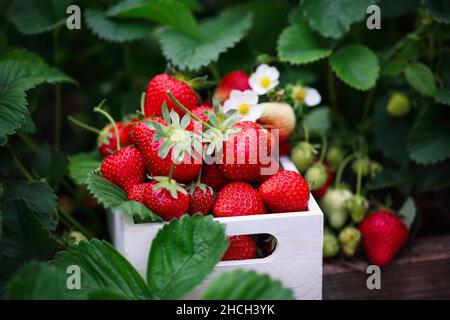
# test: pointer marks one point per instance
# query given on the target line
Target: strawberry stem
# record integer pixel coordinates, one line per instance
(143, 103)
(84, 125)
(324, 147)
(199, 177)
(172, 168)
(342, 167)
(359, 180)
(178, 103)
(110, 119)
(305, 131)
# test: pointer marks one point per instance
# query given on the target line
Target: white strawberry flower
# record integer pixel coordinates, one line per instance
(264, 79)
(309, 96)
(245, 103)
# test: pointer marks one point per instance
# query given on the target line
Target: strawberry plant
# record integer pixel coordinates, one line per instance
(185, 87)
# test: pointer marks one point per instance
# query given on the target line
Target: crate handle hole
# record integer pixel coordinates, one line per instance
(250, 246)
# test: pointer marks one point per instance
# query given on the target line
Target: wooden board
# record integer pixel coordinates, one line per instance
(421, 271)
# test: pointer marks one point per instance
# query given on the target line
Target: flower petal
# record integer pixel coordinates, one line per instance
(312, 97)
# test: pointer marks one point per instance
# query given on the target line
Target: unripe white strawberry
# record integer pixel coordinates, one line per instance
(277, 115)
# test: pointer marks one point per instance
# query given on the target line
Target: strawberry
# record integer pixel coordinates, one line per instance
(286, 191)
(240, 248)
(125, 168)
(334, 206)
(235, 80)
(137, 192)
(212, 177)
(238, 199)
(317, 176)
(384, 235)
(142, 137)
(200, 113)
(156, 95)
(107, 142)
(281, 116)
(202, 199)
(303, 155)
(246, 161)
(163, 202)
(284, 148)
(319, 193)
(398, 105)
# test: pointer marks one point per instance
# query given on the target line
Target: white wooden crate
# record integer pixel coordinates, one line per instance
(296, 261)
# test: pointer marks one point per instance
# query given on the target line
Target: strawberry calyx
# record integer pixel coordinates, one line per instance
(111, 120)
(169, 184)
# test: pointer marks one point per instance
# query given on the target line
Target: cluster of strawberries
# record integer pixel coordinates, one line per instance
(225, 188)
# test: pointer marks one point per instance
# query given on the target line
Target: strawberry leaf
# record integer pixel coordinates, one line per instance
(246, 285)
(408, 212)
(81, 165)
(137, 209)
(183, 253)
(299, 45)
(217, 36)
(421, 78)
(356, 65)
(443, 96)
(108, 194)
(37, 16)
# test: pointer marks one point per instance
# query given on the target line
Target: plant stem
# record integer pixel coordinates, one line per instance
(358, 181)
(172, 168)
(305, 131)
(368, 104)
(20, 166)
(74, 223)
(111, 120)
(58, 106)
(331, 90)
(214, 71)
(178, 103)
(29, 141)
(143, 103)
(84, 125)
(199, 177)
(324, 147)
(341, 169)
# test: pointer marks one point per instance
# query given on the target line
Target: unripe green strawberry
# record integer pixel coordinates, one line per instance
(398, 105)
(330, 244)
(334, 157)
(316, 176)
(362, 164)
(333, 204)
(303, 155)
(375, 168)
(349, 238)
(357, 206)
(76, 237)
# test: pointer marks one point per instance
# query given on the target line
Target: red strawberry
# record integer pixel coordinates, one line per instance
(246, 161)
(212, 177)
(156, 94)
(107, 142)
(238, 199)
(202, 199)
(286, 191)
(125, 168)
(142, 137)
(240, 248)
(284, 148)
(200, 113)
(137, 192)
(235, 80)
(384, 235)
(161, 202)
(330, 178)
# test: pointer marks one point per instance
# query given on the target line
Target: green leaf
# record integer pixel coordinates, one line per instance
(50, 164)
(246, 285)
(116, 29)
(37, 196)
(428, 141)
(167, 12)
(439, 10)
(81, 165)
(37, 281)
(407, 54)
(37, 16)
(421, 78)
(217, 36)
(386, 179)
(408, 212)
(332, 18)
(443, 96)
(22, 239)
(356, 65)
(108, 194)
(19, 72)
(183, 253)
(137, 209)
(299, 45)
(318, 120)
(102, 268)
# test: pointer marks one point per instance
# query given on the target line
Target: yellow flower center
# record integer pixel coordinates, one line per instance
(299, 94)
(265, 82)
(244, 108)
